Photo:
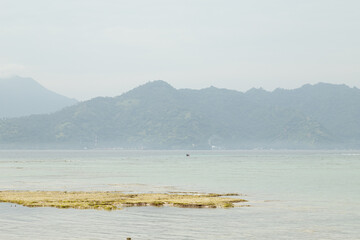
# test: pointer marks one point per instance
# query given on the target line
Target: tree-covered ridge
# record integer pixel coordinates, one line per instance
(158, 116)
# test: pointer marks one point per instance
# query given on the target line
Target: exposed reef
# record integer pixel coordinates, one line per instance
(118, 200)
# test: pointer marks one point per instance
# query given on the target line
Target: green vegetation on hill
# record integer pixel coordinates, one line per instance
(158, 116)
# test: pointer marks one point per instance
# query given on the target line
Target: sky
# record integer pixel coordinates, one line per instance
(88, 48)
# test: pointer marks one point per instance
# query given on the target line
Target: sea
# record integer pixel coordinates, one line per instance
(291, 194)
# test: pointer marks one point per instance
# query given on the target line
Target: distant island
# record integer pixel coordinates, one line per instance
(158, 116)
(24, 96)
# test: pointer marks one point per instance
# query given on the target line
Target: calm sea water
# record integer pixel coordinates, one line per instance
(293, 194)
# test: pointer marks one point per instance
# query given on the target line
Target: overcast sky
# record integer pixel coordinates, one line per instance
(89, 48)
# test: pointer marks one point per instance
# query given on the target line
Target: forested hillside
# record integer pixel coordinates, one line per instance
(158, 116)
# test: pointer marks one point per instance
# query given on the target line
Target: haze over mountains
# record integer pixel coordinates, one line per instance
(158, 116)
(24, 96)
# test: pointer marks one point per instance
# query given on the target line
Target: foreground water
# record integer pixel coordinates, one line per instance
(293, 194)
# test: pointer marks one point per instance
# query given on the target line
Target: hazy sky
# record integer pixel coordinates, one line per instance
(88, 48)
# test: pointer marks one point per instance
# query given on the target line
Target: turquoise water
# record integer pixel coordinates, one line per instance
(293, 194)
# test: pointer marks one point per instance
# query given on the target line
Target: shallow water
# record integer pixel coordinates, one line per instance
(293, 194)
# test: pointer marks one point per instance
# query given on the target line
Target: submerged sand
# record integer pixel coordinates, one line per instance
(118, 200)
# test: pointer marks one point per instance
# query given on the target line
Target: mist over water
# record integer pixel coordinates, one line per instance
(293, 194)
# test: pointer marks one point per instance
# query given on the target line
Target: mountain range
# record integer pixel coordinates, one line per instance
(158, 116)
(24, 96)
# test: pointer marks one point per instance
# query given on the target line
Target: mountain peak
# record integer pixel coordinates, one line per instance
(325, 85)
(16, 81)
(157, 84)
(24, 96)
(152, 88)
